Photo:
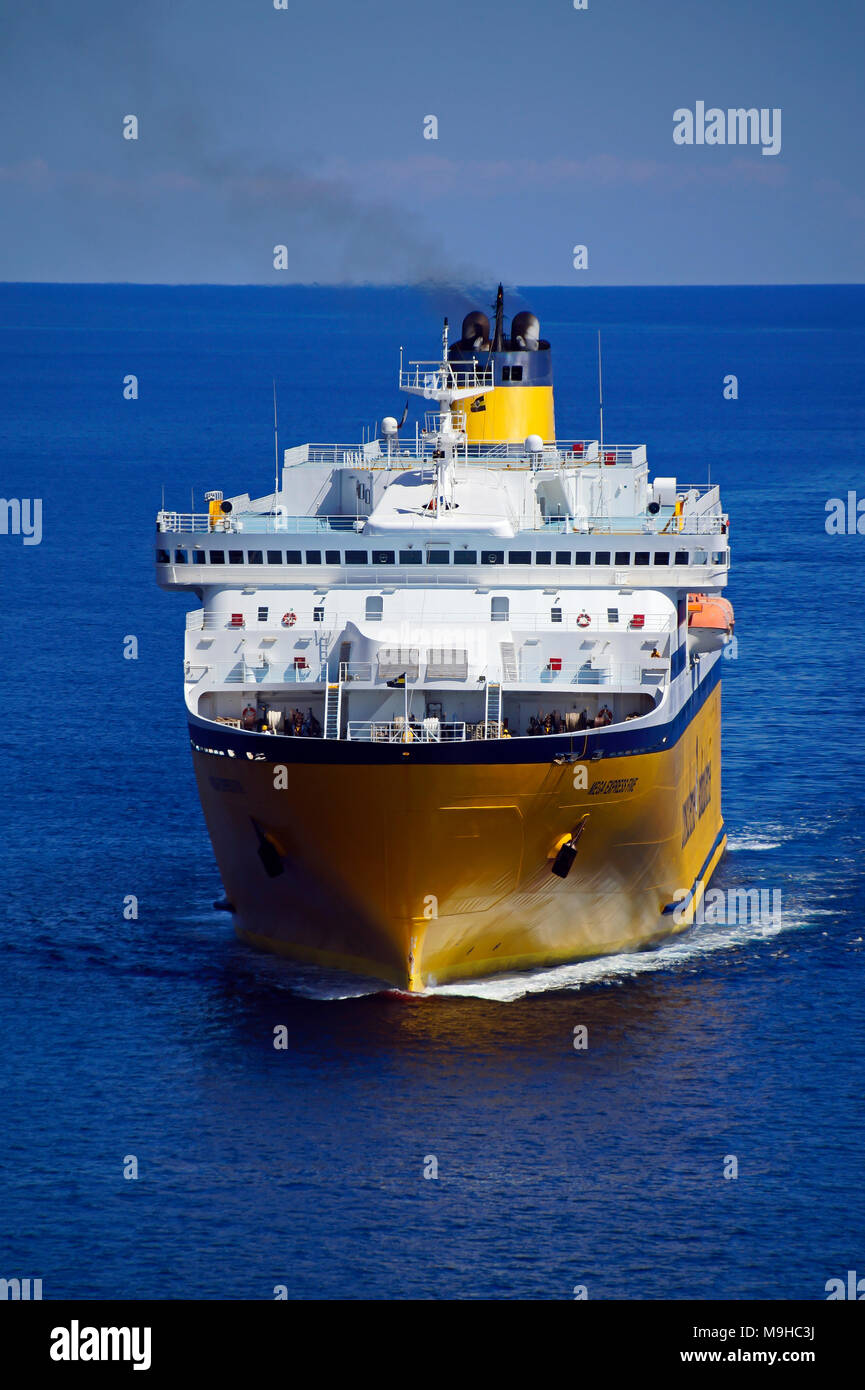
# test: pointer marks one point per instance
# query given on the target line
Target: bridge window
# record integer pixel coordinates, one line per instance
(356, 557)
(199, 557)
(331, 557)
(544, 557)
(623, 557)
(255, 557)
(500, 609)
(719, 557)
(374, 607)
(382, 557)
(492, 557)
(519, 557)
(681, 557)
(410, 557)
(582, 557)
(293, 557)
(602, 557)
(555, 615)
(465, 557)
(180, 557)
(563, 557)
(641, 557)
(235, 557)
(313, 557)
(163, 557)
(274, 557)
(217, 557)
(438, 557)
(662, 557)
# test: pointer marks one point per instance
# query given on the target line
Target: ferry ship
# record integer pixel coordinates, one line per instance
(454, 694)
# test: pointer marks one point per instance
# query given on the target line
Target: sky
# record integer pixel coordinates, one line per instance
(303, 127)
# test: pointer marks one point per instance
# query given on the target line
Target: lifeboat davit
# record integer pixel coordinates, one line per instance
(710, 622)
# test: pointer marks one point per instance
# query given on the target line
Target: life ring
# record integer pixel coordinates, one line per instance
(250, 709)
(583, 620)
(289, 619)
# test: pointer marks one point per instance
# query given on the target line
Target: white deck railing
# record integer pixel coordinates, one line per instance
(406, 452)
(433, 377)
(664, 523)
(398, 731)
(254, 523)
(582, 674)
(187, 521)
(255, 672)
(251, 524)
(554, 671)
(598, 621)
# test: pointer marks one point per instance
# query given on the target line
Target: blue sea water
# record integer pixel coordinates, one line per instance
(154, 1037)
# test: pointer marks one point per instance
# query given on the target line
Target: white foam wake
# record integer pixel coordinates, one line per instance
(614, 970)
(751, 842)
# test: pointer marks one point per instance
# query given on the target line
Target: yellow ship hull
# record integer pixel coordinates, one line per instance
(421, 873)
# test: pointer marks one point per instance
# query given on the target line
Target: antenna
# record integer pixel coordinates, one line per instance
(275, 445)
(600, 392)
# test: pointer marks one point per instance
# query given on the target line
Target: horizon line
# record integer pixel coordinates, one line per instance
(443, 283)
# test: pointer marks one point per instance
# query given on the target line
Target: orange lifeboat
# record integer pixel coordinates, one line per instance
(710, 621)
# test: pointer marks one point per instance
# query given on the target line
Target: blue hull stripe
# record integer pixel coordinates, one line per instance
(671, 907)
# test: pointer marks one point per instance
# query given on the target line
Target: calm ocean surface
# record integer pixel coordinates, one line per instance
(154, 1037)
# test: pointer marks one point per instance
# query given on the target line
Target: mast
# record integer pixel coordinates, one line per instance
(445, 382)
(600, 394)
(275, 446)
(498, 335)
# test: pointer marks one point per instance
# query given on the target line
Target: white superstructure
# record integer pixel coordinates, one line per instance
(502, 582)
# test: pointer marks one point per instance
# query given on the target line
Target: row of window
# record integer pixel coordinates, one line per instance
(382, 558)
(499, 612)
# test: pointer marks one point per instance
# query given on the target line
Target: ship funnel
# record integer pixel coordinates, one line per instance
(519, 400)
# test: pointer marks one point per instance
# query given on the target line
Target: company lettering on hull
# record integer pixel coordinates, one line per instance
(621, 784)
(698, 798)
